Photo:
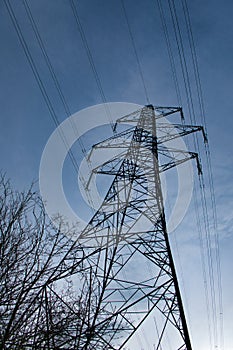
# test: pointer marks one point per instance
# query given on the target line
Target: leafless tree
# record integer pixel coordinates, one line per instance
(39, 306)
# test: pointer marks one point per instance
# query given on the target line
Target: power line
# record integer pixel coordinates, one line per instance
(61, 94)
(92, 63)
(208, 158)
(40, 83)
(135, 52)
(38, 78)
(188, 90)
(170, 52)
(52, 72)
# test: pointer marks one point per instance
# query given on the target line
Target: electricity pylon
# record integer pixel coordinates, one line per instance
(126, 243)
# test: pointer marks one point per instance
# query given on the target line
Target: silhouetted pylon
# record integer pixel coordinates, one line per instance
(125, 245)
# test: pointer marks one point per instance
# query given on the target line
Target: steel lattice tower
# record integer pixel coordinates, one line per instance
(125, 246)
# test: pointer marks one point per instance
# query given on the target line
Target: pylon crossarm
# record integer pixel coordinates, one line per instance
(111, 167)
(167, 132)
(176, 157)
(161, 112)
(119, 138)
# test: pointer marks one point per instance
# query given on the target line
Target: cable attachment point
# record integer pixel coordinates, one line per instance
(199, 167)
(182, 114)
(204, 135)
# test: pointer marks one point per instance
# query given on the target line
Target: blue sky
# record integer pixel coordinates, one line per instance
(26, 123)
